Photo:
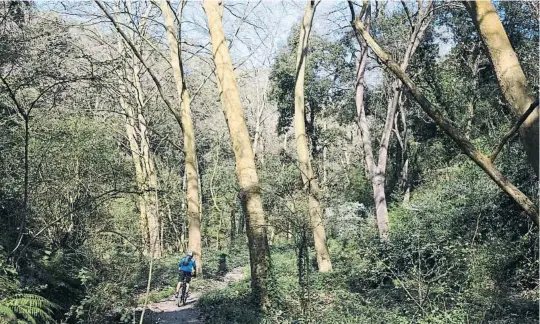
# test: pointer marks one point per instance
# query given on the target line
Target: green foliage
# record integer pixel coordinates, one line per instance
(27, 307)
(329, 81)
(460, 250)
(17, 305)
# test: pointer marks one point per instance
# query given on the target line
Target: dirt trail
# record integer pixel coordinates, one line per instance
(166, 311)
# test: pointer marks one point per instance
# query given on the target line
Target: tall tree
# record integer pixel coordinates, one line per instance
(250, 190)
(309, 179)
(448, 127)
(137, 134)
(510, 76)
(136, 130)
(377, 171)
(136, 52)
(192, 174)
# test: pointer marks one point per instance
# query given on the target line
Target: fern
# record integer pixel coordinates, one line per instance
(6, 313)
(29, 307)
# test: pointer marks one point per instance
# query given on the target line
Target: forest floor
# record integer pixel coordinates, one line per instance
(166, 311)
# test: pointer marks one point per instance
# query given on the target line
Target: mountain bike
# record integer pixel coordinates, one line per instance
(182, 298)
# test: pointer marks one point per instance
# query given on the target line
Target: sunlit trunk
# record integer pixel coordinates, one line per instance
(190, 154)
(308, 176)
(250, 190)
(510, 76)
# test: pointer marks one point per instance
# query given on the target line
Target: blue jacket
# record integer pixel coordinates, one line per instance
(187, 268)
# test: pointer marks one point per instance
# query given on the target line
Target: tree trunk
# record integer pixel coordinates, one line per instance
(510, 76)
(150, 193)
(377, 172)
(233, 223)
(139, 176)
(147, 162)
(250, 191)
(144, 165)
(376, 175)
(149, 171)
(404, 181)
(192, 193)
(380, 204)
(363, 127)
(308, 176)
(465, 145)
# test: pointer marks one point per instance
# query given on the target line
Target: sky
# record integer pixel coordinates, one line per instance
(257, 29)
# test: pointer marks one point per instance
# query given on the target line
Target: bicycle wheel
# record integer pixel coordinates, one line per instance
(183, 297)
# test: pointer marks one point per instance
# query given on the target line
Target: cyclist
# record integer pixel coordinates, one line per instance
(186, 267)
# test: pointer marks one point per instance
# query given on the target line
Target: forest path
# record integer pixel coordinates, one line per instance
(166, 311)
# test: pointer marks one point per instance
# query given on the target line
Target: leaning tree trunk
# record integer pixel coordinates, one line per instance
(308, 176)
(192, 194)
(510, 76)
(377, 172)
(250, 191)
(438, 117)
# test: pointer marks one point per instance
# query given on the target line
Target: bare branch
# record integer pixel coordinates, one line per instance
(513, 130)
(136, 52)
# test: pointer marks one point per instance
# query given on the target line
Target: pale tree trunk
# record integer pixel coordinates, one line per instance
(378, 176)
(250, 191)
(510, 76)
(139, 176)
(437, 115)
(377, 172)
(153, 224)
(405, 181)
(363, 128)
(144, 164)
(308, 176)
(148, 198)
(150, 194)
(192, 194)
(149, 170)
